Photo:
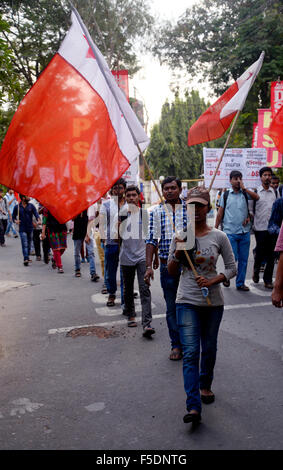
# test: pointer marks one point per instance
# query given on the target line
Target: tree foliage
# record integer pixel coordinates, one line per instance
(118, 27)
(168, 152)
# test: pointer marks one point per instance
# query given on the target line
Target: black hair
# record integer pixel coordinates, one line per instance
(235, 174)
(132, 187)
(170, 179)
(120, 181)
(265, 168)
(21, 196)
(275, 177)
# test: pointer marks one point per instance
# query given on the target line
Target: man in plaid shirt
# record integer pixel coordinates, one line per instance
(160, 235)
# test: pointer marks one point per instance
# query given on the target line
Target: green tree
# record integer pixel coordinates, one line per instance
(168, 152)
(118, 27)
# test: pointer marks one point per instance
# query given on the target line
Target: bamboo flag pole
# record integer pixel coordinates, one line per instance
(224, 149)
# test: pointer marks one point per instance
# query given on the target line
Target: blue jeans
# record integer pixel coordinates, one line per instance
(111, 261)
(78, 246)
(198, 326)
(240, 243)
(169, 285)
(10, 226)
(26, 238)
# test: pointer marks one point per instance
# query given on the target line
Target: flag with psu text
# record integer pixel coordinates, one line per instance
(275, 130)
(74, 133)
(217, 118)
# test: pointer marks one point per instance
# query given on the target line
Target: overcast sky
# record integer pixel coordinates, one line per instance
(151, 83)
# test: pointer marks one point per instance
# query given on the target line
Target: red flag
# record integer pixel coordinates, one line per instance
(217, 118)
(74, 134)
(275, 130)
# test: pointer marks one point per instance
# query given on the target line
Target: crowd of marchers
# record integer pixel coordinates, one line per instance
(139, 241)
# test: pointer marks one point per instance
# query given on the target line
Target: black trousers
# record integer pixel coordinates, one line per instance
(37, 245)
(3, 226)
(264, 251)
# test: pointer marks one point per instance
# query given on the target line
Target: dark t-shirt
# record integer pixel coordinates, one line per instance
(80, 226)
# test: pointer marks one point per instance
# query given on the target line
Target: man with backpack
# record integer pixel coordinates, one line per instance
(234, 213)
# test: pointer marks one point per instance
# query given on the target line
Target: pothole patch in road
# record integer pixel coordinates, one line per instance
(6, 286)
(99, 331)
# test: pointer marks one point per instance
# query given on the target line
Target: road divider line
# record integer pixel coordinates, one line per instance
(161, 315)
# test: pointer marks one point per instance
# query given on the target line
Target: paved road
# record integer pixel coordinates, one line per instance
(62, 390)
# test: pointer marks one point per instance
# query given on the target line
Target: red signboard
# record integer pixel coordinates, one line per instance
(273, 157)
(276, 97)
(122, 80)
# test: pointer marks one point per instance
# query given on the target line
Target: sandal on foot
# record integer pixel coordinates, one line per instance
(176, 355)
(148, 331)
(192, 418)
(207, 399)
(60, 270)
(132, 323)
(78, 273)
(111, 301)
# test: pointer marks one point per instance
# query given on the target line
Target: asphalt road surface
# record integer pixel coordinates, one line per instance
(66, 384)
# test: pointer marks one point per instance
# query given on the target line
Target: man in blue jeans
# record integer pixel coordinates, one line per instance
(26, 211)
(160, 235)
(234, 214)
(109, 235)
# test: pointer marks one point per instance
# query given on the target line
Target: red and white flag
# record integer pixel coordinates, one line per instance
(217, 118)
(74, 134)
(275, 130)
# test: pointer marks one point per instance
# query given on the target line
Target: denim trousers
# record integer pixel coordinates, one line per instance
(77, 254)
(10, 226)
(198, 326)
(111, 262)
(26, 238)
(169, 286)
(240, 243)
(145, 295)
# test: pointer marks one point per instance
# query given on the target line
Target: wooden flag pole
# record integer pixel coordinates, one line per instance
(224, 149)
(204, 290)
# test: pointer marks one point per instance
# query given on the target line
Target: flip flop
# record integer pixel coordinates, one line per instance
(176, 355)
(132, 324)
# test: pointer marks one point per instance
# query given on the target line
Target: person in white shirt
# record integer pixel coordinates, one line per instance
(261, 210)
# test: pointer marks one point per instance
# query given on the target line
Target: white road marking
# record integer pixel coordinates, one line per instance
(98, 406)
(22, 405)
(255, 290)
(161, 315)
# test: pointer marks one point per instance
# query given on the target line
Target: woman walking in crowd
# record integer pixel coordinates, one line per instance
(199, 323)
(57, 234)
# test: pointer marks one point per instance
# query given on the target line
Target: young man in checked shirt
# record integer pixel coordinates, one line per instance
(160, 234)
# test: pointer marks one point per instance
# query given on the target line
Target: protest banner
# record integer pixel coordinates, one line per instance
(248, 161)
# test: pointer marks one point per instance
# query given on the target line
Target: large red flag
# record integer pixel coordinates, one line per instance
(217, 118)
(275, 130)
(74, 134)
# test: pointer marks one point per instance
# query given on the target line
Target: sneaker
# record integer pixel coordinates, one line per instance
(94, 277)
